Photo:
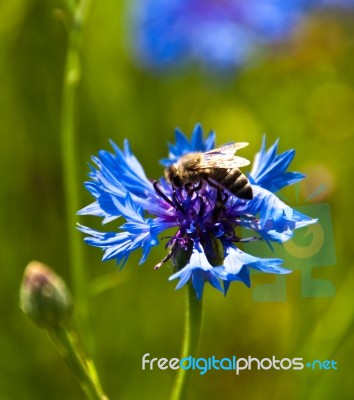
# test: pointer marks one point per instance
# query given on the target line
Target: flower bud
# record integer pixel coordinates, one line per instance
(44, 296)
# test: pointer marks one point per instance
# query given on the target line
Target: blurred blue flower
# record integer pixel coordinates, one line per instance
(219, 34)
(204, 245)
(338, 4)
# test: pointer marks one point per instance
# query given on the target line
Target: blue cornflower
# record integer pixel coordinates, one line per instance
(219, 34)
(337, 4)
(204, 247)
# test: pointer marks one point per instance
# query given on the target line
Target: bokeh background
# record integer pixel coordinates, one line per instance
(301, 92)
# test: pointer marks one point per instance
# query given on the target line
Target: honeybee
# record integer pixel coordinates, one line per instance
(218, 167)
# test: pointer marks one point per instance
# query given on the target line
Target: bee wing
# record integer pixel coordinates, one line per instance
(229, 149)
(224, 157)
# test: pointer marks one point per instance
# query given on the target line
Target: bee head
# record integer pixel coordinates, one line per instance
(171, 174)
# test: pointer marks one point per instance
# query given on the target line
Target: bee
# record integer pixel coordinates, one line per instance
(218, 167)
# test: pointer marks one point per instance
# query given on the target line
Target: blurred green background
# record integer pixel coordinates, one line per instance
(302, 93)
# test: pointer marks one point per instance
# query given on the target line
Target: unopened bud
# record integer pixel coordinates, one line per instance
(44, 296)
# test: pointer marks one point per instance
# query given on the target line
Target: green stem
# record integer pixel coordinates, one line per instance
(69, 156)
(81, 367)
(193, 325)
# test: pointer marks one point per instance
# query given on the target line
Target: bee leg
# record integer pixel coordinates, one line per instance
(202, 207)
(177, 202)
(194, 189)
(249, 216)
(212, 184)
(166, 258)
(198, 187)
(220, 201)
(251, 239)
(161, 194)
(219, 205)
(174, 202)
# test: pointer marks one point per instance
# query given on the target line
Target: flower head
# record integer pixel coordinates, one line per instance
(206, 216)
(219, 34)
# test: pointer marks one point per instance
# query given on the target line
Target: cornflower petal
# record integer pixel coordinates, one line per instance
(184, 146)
(237, 264)
(118, 174)
(137, 232)
(269, 169)
(276, 219)
(199, 271)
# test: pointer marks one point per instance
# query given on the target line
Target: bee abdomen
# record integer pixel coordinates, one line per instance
(237, 183)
